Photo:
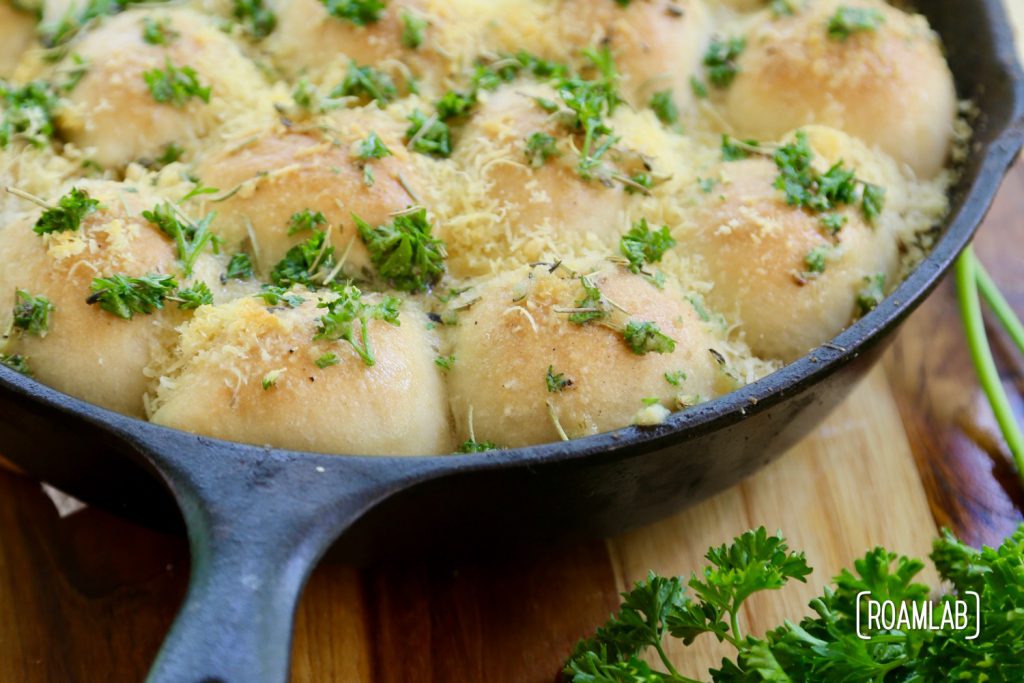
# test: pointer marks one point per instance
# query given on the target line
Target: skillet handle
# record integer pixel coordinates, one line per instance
(258, 523)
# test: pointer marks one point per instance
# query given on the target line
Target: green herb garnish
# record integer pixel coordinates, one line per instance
(405, 252)
(190, 238)
(15, 362)
(429, 135)
(646, 337)
(372, 148)
(239, 267)
(125, 296)
(28, 113)
(348, 314)
(556, 382)
(257, 19)
(540, 147)
(193, 297)
(368, 83)
(304, 220)
(175, 85)
(327, 360)
(306, 263)
(472, 446)
(158, 31)
(663, 105)
(816, 259)
(413, 29)
(445, 362)
(720, 60)
(641, 245)
(675, 378)
(67, 216)
(32, 313)
(871, 294)
(849, 20)
(825, 645)
(359, 12)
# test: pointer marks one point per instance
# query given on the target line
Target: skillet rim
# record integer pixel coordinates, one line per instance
(715, 415)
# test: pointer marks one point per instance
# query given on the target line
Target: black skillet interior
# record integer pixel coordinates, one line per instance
(259, 518)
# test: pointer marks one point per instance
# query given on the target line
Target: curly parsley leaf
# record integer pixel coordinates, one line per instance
(307, 263)
(641, 245)
(367, 83)
(193, 297)
(257, 19)
(429, 135)
(850, 20)
(414, 29)
(15, 362)
(304, 220)
(67, 216)
(721, 60)
(663, 105)
(646, 337)
(348, 319)
(359, 12)
(175, 85)
(32, 313)
(28, 113)
(189, 238)
(405, 252)
(240, 267)
(126, 296)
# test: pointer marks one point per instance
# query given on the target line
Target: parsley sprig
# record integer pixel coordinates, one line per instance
(825, 645)
(189, 237)
(405, 252)
(175, 85)
(720, 60)
(642, 246)
(348, 319)
(28, 113)
(32, 313)
(307, 263)
(359, 12)
(257, 19)
(126, 296)
(850, 20)
(68, 214)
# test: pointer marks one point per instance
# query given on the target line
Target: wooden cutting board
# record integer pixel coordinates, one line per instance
(87, 597)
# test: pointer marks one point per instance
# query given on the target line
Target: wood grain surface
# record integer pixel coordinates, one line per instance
(87, 597)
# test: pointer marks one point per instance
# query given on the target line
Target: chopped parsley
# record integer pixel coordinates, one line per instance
(366, 83)
(592, 307)
(271, 378)
(239, 267)
(304, 220)
(73, 21)
(556, 382)
(126, 296)
(472, 446)
(158, 31)
(429, 135)
(32, 313)
(28, 113)
(190, 238)
(540, 147)
(73, 73)
(720, 60)
(359, 12)
(737, 150)
(589, 104)
(445, 362)
(413, 29)
(663, 105)
(275, 296)
(675, 378)
(193, 297)
(808, 188)
(641, 245)
(15, 362)
(700, 91)
(327, 360)
(833, 222)
(405, 252)
(171, 154)
(645, 337)
(348, 316)
(175, 85)
(871, 294)
(816, 259)
(68, 214)
(305, 263)
(849, 20)
(372, 148)
(257, 19)
(454, 104)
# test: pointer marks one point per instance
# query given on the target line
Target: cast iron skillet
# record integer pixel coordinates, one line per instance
(259, 519)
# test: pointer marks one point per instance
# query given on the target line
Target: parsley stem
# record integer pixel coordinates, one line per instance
(676, 676)
(967, 281)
